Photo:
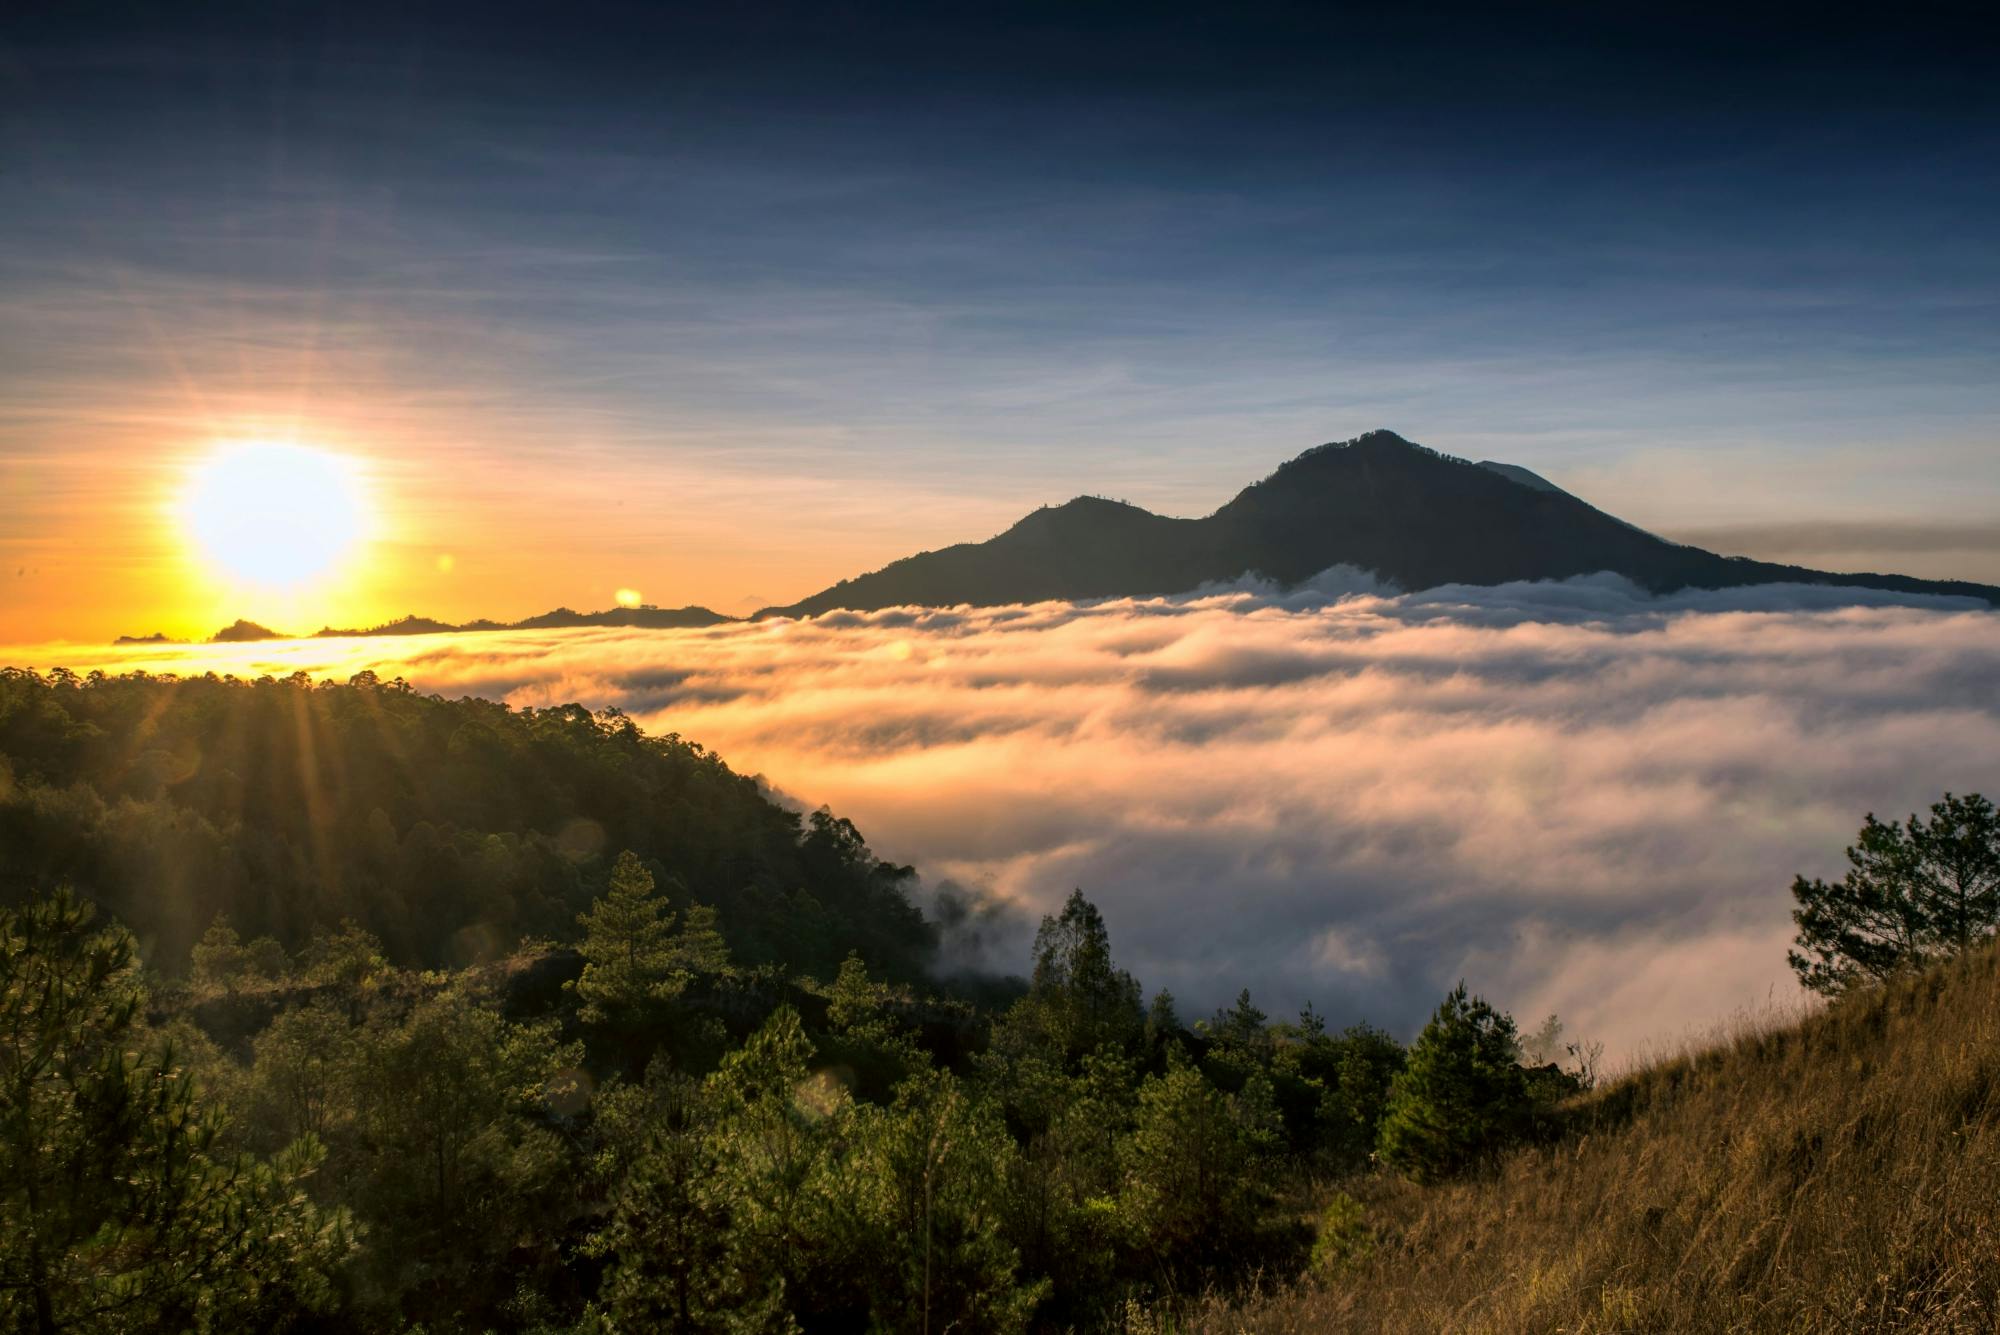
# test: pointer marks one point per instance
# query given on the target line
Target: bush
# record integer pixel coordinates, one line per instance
(1461, 1095)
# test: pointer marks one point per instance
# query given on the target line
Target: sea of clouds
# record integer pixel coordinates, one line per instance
(1577, 797)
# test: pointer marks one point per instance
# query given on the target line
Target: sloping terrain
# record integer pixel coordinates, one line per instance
(1413, 516)
(1842, 1174)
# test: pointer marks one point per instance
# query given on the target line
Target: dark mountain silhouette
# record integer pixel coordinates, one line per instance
(409, 625)
(647, 616)
(658, 618)
(241, 632)
(1411, 515)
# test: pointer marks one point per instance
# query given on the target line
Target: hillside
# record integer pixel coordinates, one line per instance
(1413, 516)
(450, 829)
(1839, 1174)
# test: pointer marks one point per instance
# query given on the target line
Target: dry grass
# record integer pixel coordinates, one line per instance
(1841, 1173)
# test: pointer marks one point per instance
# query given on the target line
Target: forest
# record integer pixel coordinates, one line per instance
(341, 1006)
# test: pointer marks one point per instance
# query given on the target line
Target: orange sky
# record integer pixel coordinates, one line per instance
(98, 538)
(697, 306)
(550, 510)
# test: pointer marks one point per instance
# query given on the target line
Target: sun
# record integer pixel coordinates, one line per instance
(275, 514)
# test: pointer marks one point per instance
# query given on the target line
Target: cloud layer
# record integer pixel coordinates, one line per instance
(1577, 797)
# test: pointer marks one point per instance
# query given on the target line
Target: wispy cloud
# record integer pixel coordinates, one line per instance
(1580, 798)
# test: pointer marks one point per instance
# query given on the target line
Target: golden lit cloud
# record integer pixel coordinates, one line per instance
(1579, 798)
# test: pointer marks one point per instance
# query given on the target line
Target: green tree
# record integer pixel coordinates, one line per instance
(775, 1132)
(219, 959)
(349, 957)
(633, 957)
(118, 1211)
(1078, 998)
(1163, 1022)
(1195, 1175)
(302, 1075)
(1914, 892)
(460, 1163)
(864, 1037)
(1357, 1098)
(670, 1240)
(1460, 1095)
(699, 947)
(935, 1165)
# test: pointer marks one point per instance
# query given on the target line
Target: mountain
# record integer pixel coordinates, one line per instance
(1411, 515)
(409, 625)
(648, 616)
(242, 632)
(658, 618)
(654, 618)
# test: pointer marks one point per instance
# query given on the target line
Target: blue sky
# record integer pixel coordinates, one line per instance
(815, 286)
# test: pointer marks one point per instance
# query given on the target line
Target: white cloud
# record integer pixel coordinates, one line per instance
(1575, 796)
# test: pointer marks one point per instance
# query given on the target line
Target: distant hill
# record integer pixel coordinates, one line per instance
(657, 618)
(1411, 515)
(242, 632)
(663, 618)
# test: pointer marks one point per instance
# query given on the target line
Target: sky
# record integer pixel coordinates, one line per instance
(1577, 798)
(719, 304)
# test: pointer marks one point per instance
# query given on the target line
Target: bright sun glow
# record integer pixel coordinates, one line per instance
(275, 514)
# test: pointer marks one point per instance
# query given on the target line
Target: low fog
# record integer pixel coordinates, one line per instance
(1579, 798)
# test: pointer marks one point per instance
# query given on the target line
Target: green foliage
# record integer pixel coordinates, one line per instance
(1195, 1170)
(118, 1209)
(220, 960)
(1913, 893)
(776, 1123)
(630, 963)
(1461, 1094)
(1163, 1023)
(455, 1111)
(676, 1262)
(935, 1164)
(349, 957)
(866, 1153)
(1078, 999)
(1342, 1240)
(448, 830)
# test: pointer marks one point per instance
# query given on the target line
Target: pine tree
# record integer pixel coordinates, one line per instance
(935, 1164)
(673, 1264)
(699, 947)
(1194, 1171)
(1913, 893)
(1078, 996)
(627, 946)
(774, 1134)
(1460, 1095)
(118, 1209)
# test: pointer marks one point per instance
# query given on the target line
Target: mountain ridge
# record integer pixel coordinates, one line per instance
(658, 618)
(1414, 516)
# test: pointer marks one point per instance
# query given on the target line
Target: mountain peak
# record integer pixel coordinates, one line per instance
(243, 632)
(1414, 516)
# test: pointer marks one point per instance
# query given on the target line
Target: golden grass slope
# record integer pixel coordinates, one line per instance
(1838, 1174)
